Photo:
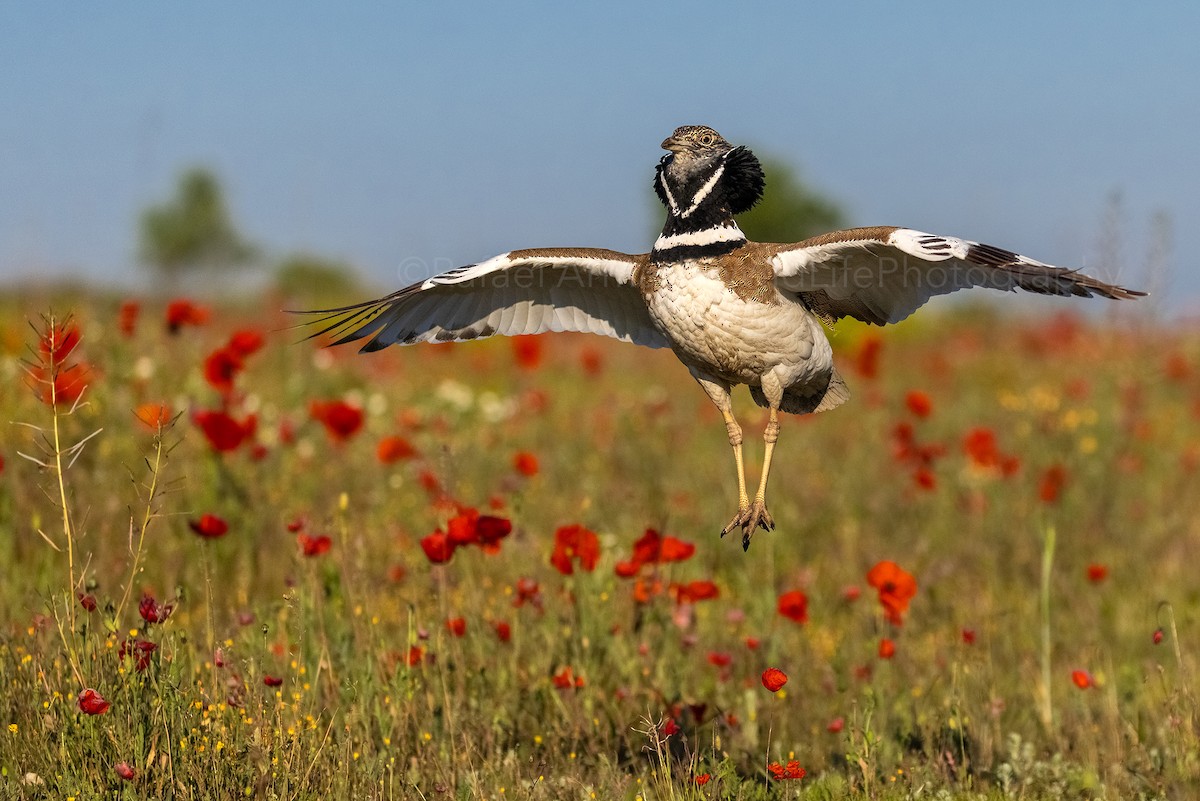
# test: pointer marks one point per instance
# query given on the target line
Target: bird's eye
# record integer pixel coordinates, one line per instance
(707, 139)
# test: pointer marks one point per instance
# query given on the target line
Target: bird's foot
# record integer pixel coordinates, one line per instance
(750, 518)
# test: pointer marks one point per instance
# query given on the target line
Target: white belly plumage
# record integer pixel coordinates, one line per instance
(739, 340)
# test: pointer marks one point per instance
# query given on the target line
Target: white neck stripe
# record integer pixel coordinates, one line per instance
(708, 236)
(704, 191)
(662, 181)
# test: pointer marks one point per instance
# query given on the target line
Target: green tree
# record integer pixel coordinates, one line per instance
(789, 210)
(192, 231)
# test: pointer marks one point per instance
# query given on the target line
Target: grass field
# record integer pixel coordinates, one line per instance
(293, 573)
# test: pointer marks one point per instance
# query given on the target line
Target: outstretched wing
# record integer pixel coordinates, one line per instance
(522, 292)
(882, 275)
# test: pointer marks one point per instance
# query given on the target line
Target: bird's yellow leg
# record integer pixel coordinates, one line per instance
(757, 515)
(718, 392)
(735, 442)
(770, 436)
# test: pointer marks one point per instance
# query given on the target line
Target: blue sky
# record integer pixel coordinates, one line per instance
(405, 139)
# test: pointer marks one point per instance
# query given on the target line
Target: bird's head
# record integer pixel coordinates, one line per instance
(697, 154)
(696, 141)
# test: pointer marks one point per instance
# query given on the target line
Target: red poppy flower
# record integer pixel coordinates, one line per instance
(272, 681)
(490, 530)
(1097, 573)
(125, 771)
(430, 483)
(127, 317)
(695, 591)
(183, 312)
(468, 527)
(918, 403)
(675, 550)
(791, 770)
(56, 343)
(438, 548)
(463, 528)
(575, 543)
(924, 478)
(209, 526)
(526, 464)
(1052, 483)
(394, 449)
(794, 606)
(752, 643)
(1157, 637)
(341, 420)
(774, 679)
(142, 650)
(92, 703)
(866, 358)
(457, 626)
(528, 592)
(566, 679)
(720, 658)
(906, 449)
(225, 433)
(153, 415)
(591, 360)
(653, 548)
(60, 385)
(896, 588)
(968, 636)
(503, 630)
(245, 342)
(627, 569)
(1082, 679)
(527, 350)
(221, 368)
(314, 546)
(287, 431)
(887, 648)
(669, 728)
(702, 779)
(903, 440)
(836, 725)
(644, 590)
(152, 611)
(87, 601)
(980, 445)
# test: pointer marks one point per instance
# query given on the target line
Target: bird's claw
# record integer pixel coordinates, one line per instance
(749, 519)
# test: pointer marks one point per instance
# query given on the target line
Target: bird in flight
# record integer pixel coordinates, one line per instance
(733, 311)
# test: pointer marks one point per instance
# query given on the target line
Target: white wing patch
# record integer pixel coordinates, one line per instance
(468, 272)
(929, 247)
(613, 268)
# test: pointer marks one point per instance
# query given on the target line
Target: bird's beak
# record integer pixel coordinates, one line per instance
(673, 144)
